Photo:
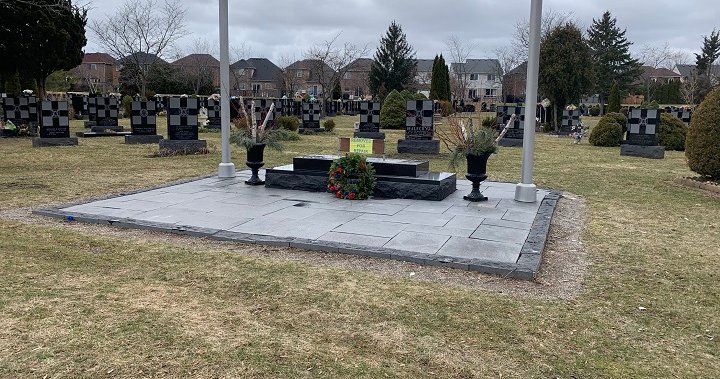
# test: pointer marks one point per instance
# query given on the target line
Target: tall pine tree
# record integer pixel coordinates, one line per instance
(709, 53)
(611, 56)
(614, 100)
(435, 79)
(394, 66)
(446, 72)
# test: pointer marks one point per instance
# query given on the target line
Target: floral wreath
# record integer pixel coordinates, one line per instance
(351, 177)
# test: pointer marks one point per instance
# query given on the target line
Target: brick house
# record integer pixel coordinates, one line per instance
(98, 72)
(356, 80)
(200, 65)
(256, 77)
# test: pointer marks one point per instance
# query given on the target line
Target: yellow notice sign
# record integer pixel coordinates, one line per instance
(361, 145)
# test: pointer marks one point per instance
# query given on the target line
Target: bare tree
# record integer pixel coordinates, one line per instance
(289, 82)
(656, 57)
(199, 68)
(329, 61)
(521, 38)
(89, 78)
(238, 74)
(140, 33)
(507, 61)
(459, 51)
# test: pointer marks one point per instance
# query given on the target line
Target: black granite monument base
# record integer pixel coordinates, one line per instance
(102, 129)
(396, 178)
(183, 146)
(511, 142)
(371, 135)
(654, 152)
(140, 139)
(418, 146)
(102, 134)
(44, 142)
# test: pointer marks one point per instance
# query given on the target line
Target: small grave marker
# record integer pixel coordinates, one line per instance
(419, 129)
(642, 136)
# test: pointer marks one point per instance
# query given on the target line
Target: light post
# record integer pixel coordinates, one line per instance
(526, 191)
(226, 169)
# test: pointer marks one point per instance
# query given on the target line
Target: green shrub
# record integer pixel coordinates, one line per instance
(488, 122)
(614, 98)
(286, 135)
(619, 118)
(127, 105)
(548, 127)
(595, 110)
(290, 123)
(392, 113)
(672, 132)
(446, 108)
(329, 125)
(606, 133)
(702, 145)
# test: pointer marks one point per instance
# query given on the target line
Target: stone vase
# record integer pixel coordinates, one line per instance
(255, 161)
(476, 173)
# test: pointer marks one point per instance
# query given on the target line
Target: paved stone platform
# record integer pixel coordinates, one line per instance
(499, 236)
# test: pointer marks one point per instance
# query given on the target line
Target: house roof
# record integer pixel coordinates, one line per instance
(98, 58)
(424, 65)
(360, 64)
(521, 69)
(264, 69)
(686, 70)
(312, 65)
(205, 60)
(477, 66)
(142, 58)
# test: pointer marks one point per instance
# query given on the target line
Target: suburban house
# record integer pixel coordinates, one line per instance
(658, 75)
(514, 82)
(423, 76)
(256, 77)
(200, 65)
(355, 81)
(306, 76)
(480, 77)
(686, 70)
(98, 72)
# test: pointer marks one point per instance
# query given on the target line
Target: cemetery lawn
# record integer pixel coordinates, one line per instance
(76, 303)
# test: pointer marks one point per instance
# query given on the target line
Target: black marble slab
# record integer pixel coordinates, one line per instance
(389, 167)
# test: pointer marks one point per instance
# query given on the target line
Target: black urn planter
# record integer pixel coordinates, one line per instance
(255, 161)
(476, 173)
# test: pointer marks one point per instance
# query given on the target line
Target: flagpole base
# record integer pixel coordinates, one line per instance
(526, 193)
(226, 170)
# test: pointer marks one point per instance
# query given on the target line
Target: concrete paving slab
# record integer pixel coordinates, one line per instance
(500, 234)
(371, 228)
(417, 242)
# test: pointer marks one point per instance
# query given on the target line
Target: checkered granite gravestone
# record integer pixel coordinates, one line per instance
(143, 123)
(106, 111)
(419, 129)
(311, 116)
(369, 126)
(570, 120)
(182, 121)
(642, 139)
(21, 110)
(54, 125)
(514, 135)
(262, 109)
(353, 107)
(331, 108)
(213, 113)
(685, 115)
(80, 106)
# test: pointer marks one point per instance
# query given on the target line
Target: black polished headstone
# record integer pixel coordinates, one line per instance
(143, 119)
(642, 127)
(517, 129)
(262, 109)
(182, 118)
(419, 120)
(20, 110)
(310, 115)
(54, 119)
(213, 113)
(570, 120)
(382, 166)
(369, 117)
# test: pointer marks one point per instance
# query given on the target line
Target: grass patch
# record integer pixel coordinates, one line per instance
(75, 304)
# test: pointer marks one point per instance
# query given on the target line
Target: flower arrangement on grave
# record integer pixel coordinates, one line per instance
(351, 177)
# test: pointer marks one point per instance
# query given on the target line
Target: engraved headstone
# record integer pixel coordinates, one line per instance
(419, 120)
(106, 111)
(262, 109)
(570, 120)
(369, 125)
(515, 134)
(143, 120)
(642, 139)
(213, 113)
(20, 110)
(182, 121)
(311, 116)
(54, 125)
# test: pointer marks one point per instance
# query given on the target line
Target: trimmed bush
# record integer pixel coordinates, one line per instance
(607, 133)
(595, 110)
(702, 145)
(392, 113)
(290, 123)
(329, 125)
(672, 132)
(619, 118)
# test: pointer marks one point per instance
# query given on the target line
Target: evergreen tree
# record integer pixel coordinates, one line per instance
(446, 81)
(12, 84)
(611, 56)
(709, 53)
(565, 67)
(394, 66)
(392, 113)
(614, 99)
(435, 79)
(337, 91)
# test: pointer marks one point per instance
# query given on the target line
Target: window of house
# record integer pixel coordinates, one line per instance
(490, 92)
(256, 87)
(474, 76)
(346, 76)
(313, 90)
(298, 74)
(92, 66)
(491, 77)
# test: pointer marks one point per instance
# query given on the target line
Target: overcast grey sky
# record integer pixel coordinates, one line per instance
(286, 28)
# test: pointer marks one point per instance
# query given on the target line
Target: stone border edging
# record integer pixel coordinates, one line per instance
(526, 267)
